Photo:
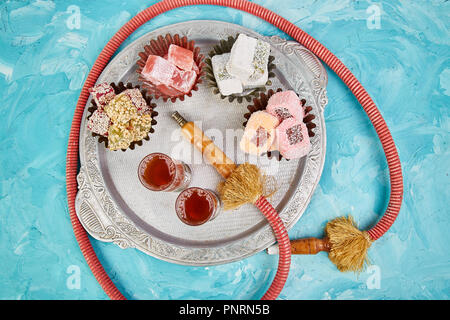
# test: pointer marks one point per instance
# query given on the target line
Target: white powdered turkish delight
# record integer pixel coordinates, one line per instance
(242, 54)
(260, 73)
(226, 83)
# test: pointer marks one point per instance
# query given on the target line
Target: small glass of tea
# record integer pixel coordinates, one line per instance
(195, 206)
(159, 172)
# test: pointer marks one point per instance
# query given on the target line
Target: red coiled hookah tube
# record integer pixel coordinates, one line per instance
(303, 38)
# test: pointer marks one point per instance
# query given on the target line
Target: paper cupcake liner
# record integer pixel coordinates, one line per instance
(120, 87)
(160, 47)
(225, 47)
(260, 104)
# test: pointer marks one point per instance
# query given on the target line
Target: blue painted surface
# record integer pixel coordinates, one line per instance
(404, 64)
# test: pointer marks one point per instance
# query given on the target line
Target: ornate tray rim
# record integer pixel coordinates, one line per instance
(104, 221)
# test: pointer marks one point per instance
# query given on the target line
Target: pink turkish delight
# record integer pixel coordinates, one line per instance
(292, 139)
(285, 105)
(158, 70)
(99, 123)
(181, 57)
(167, 78)
(183, 80)
(194, 65)
(103, 93)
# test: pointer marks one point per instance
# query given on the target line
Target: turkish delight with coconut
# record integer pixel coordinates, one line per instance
(259, 133)
(284, 105)
(126, 118)
(226, 83)
(292, 139)
(102, 93)
(99, 123)
(181, 57)
(138, 100)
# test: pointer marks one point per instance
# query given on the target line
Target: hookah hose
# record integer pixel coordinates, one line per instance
(243, 184)
(393, 161)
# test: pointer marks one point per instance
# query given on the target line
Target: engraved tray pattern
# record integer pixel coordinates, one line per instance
(106, 220)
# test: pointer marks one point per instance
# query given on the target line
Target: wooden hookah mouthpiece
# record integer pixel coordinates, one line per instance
(346, 245)
(216, 157)
(305, 246)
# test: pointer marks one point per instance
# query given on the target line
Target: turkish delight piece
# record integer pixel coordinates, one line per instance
(158, 70)
(121, 109)
(292, 139)
(183, 81)
(242, 54)
(260, 73)
(140, 127)
(102, 93)
(284, 105)
(99, 123)
(181, 57)
(119, 136)
(138, 100)
(226, 83)
(259, 133)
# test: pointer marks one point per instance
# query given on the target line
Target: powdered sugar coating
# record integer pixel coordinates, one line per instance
(289, 102)
(226, 83)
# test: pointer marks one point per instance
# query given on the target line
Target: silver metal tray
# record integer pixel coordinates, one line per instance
(113, 206)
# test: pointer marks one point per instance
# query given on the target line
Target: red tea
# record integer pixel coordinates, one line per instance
(195, 206)
(158, 172)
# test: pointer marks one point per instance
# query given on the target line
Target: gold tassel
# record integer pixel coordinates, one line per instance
(244, 185)
(348, 244)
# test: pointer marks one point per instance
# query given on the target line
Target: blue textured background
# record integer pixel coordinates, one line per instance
(404, 64)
